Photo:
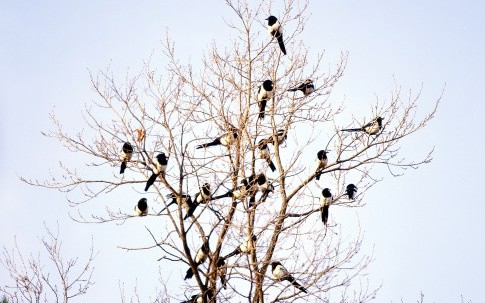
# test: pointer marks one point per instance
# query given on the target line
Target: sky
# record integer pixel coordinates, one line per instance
(425, 229)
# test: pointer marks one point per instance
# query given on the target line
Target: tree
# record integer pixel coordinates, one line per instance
(209, 123)
(33, 282)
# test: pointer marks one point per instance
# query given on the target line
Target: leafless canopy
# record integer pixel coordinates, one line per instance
(177, 108)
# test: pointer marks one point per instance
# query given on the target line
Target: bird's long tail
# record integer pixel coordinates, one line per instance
(271, 165)
(205, 145)
(123, 167)
(317, 175)
(296, 284)
(150, 181)
(226, 195)
(174, 201)
(224, 281)
(189, 274)
(237, 251)
(281, 44)
(351, 130)
(191, 210)
(325, 214)
(262, 107)
(292, 89)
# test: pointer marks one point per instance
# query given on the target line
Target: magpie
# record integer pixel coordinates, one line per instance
(198, 298)
(243, 248)
(275, 30)
(280, 273)
(322, 162)
(281, 136)
(203, 196)
(306, 87)
(265, 92)
(200, 258)
(351, 190)
(141, 208)
(140, 134)
(222, 271)
(371, 128)
(160, 167)
(125, 156)
(240, 191)
(226, 140)
(173, 197)
(325, 200)
(265, 154)
(263, 185)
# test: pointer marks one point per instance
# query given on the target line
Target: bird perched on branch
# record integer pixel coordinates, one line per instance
(322, 162)
(281, 136)
(173, 197)
(159, 169)
(125, 155)
(275, 30)
(226, 140)
(371, 128)
(265, 92)
(325, 200)
(203, 196)
(306, 87)
(280, 273)
(222, 271)
(246, 188)
(141, 208)
(200, 258)
(264, 153)
(243, 248)
(350, 190)
(262, 184)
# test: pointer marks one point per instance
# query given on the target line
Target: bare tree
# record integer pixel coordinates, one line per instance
(243, 231)
(32, 282)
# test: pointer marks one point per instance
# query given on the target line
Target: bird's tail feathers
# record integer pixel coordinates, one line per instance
(123, 167)
(237, 251)
(351, 130)
(189, 274)
(226, 195)
(150, 181)
(271, 165)
(281, 44)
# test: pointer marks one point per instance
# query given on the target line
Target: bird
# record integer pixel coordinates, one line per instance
(160, 166)
(280, 273)
(265, 154)
(240, 192)
(322, 162)
(222, 271)
(140, 134)
(371, 128)
(351, 190)
(200, 258)
(226, 140)
(243, 248)
(203, 196)
(141, 208)
(263, 185)
(125, 156)
(325, 200)
(275, 30)
(265, 92)
(173, 197)
(306, 87)
(281, 136)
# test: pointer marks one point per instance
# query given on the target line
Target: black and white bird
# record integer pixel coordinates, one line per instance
(322, 162)
(265, 92)
(173, 197)
(141, 208)
(325, 200)
(244, 248)
(371, 128)
(263, 185)
(226, 140)
(241, 191)
(275, 30)
(159, 169)
(203, 196)
(281, 136)
(222, 271)
(265, 154)
(306, 87)
(350, 190)
(125, 155)
(200, 258)
(280, 273)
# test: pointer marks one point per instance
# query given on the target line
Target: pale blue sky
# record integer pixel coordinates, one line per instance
(426, 228)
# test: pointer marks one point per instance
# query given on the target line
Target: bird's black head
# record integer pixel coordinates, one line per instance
(254, 238)
(271, 20)
(268, 85)
(321, 154)
(161, 158)
(262, 144)
(274, 264)
(379, 120)
(281, 132)
(127, 148)
(351, 187)
(261, 179)
(142, 204)
(326, 193)
(221, 261)
(206, 188)
(308, 81)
